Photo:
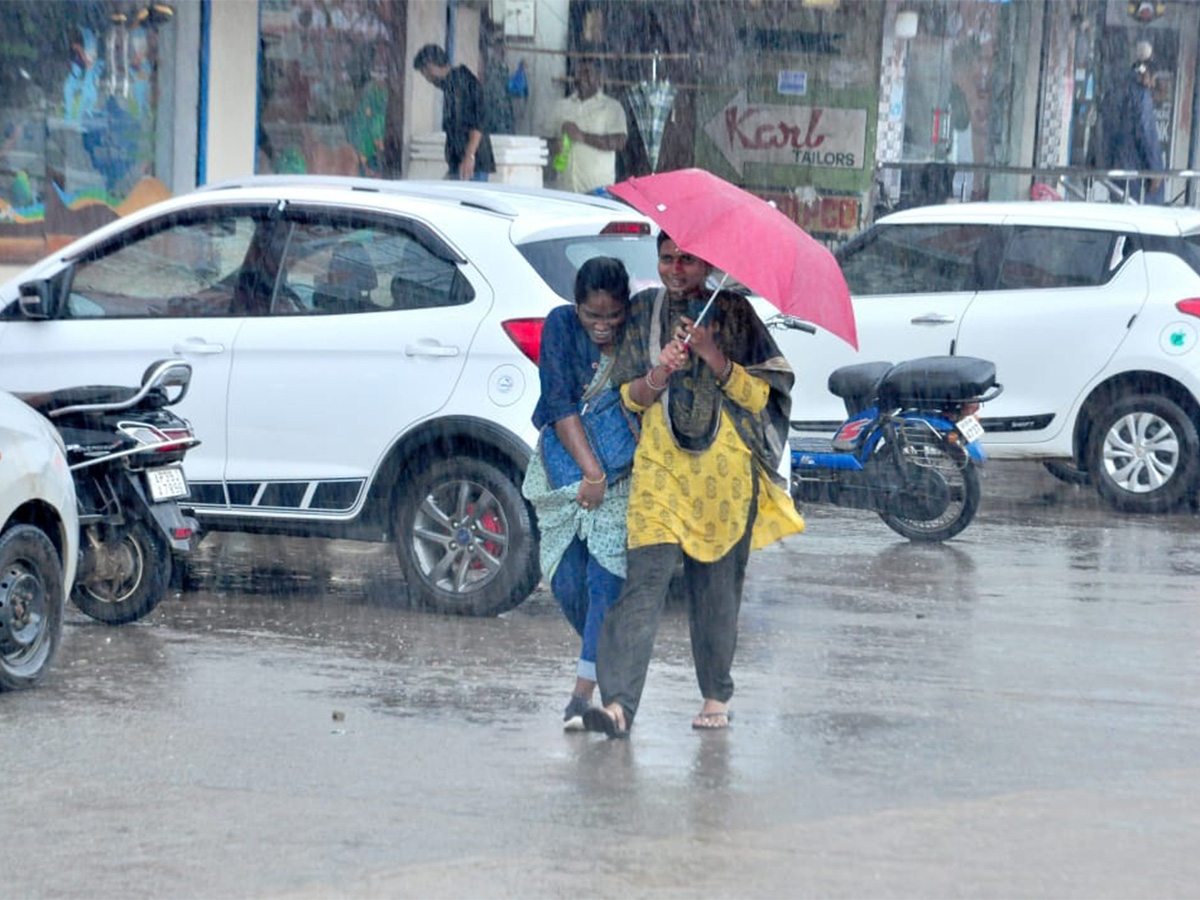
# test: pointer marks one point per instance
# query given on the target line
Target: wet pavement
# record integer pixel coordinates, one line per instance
(1015, 713)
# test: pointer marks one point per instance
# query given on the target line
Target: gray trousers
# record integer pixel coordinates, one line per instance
(714, 597)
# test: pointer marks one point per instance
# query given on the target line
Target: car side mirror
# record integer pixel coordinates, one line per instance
(43, 298)
(36, 300)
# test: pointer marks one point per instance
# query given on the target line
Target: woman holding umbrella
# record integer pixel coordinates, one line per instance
(704, 490)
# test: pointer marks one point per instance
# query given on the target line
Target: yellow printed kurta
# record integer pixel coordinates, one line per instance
(701, 501)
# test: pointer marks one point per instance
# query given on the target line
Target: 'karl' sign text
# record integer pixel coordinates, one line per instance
(789, 135)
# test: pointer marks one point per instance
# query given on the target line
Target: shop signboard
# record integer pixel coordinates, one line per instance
(783, 134)
(831, 216)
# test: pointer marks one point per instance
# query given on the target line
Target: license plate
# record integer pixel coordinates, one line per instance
(970, 428)
(166, 484)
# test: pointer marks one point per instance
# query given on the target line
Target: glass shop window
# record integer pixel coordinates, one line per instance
(85, 117)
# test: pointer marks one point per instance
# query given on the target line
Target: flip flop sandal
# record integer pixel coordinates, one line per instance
(713, 721)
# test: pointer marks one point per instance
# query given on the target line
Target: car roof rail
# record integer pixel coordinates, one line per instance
(481, 195)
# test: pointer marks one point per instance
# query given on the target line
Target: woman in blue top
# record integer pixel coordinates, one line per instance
(581, 525)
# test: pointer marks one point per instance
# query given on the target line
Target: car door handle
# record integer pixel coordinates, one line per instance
(197, 345)
(933, 319)
(430, 348)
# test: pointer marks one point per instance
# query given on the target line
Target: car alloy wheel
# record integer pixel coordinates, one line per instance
(1144, 456)
(465, 539)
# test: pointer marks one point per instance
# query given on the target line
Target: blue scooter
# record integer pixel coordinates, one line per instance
(909, 447)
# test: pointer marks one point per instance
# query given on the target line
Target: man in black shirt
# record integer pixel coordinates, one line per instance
(468, 149)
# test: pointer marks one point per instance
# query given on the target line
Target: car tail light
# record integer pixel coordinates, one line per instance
(1189, 307)
(626, 228)
(526, 334)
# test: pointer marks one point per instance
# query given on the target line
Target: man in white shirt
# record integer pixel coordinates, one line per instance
(595, 125)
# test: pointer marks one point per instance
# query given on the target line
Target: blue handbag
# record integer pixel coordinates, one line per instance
(611, 429)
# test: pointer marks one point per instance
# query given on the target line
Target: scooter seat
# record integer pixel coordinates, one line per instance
(937, 380)
(857, 384)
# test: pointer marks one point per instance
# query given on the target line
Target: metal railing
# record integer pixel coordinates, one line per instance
(901, 185)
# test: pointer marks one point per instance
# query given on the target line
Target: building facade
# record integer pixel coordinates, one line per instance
(830, 108)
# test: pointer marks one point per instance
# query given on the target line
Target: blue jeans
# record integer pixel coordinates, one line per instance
(585, 590)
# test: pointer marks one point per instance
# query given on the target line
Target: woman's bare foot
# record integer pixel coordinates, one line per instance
(713, 716)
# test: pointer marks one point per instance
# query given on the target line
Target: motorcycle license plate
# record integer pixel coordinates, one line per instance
(970, 428)
(166, 484)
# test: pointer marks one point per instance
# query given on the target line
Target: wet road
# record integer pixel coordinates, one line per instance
(1016, 713)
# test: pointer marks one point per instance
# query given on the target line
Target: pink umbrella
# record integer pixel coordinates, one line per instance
(748, 239)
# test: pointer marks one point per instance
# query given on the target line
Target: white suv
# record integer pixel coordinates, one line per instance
(364, 354)
(1091, 313)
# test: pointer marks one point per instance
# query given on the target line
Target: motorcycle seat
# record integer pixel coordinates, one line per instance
(937, 380)
(47, 402)
(857, 384)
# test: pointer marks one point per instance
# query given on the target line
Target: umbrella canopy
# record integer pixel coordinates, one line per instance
(650, 102)
(750, 240)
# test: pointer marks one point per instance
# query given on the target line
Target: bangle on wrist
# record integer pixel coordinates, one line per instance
(652, 385)
(603, 478)
(723, 378)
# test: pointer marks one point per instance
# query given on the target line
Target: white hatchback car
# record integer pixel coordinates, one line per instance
(1091, 313)
(364, 354)
(39, 542)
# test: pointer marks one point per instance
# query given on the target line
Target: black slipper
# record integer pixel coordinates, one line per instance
(597, 719)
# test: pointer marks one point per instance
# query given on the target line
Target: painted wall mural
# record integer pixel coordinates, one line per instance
(80, 118)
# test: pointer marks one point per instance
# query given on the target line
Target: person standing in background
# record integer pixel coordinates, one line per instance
(468, 148)
(595, 130)
(1133, 140)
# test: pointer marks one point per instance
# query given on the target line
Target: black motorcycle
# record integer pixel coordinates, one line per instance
(124, 449)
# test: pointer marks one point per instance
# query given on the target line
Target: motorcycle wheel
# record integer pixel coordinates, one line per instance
(31, 606)
(466, 539)
(126, 578)
(956, 481)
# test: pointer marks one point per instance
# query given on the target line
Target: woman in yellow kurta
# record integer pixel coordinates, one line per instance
(705, 488)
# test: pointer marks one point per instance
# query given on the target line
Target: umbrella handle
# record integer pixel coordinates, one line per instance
(724, 277)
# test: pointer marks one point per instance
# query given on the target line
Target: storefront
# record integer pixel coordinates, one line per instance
(330, 88)
(108, 105)
(91, 97)
(778, 97)
(1108, 37)
(983, 100)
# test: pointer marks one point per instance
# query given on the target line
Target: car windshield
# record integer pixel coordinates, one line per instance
(557, 260)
